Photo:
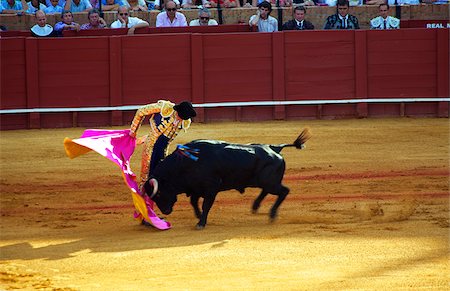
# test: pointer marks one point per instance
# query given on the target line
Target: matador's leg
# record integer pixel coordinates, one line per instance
(146, 158)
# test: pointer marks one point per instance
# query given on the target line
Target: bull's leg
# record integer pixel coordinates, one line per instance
(282, 193)
(208, 201)
(258, 201)
(194, 203)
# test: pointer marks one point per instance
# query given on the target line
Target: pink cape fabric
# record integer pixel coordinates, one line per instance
(117, 146)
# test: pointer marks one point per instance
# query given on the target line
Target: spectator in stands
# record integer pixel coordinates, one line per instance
(66, 23)
(170, 17)
(283, 3)
(12, 7)
(78, 6)
(204, 18)
(162, 6)
(33, 6)
(305, 2)
(49, 2)
(405, 2)
(263, 20)
(384, 21)
(351, 2)
(224, 3)
(111, 5)
(125, 21)
(95, 21)
(41, 28)
(299, 22)
(53, 8)
(194, 3)
(342, 20)
(135, 5)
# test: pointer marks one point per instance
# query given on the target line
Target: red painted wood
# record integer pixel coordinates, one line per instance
(197, 72)
(217, 67)
(278, 75)
(115, 75)
(156, 67)
(361, 71)
(32, 73)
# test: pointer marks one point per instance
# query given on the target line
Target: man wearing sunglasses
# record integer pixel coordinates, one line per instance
(125, 21)
(204, 18)
(170, 17)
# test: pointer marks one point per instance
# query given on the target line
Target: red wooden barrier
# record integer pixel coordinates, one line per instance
(231, 67)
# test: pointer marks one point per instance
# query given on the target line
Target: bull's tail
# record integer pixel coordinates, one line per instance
(299, 143)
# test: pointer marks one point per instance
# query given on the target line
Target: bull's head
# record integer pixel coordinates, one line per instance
(158, 192)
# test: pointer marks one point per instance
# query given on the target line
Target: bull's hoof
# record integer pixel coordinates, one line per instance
(199, 227)
(273, 216)
(255, 208)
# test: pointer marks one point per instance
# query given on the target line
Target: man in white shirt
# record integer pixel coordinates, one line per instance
(384, 21)
(170, 17)
(125, 21)
(204, 18)
(263, 20)
(162, 6)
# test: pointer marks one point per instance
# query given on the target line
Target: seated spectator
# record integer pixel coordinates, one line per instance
(49, 2)
(384, 21)
(305, 2)
(299, 22)
(204, 18)
(194, 3)
(283, 3)
(125, 21)
(263, 20)
(66, 23)
(135, 5)
(224, 3)
(170, 17)
(111, 5)
(404, 2)
(351, 2)
(342, 20)
(95, 21)
(53, 8)
(33, 6)
(12, 7)
(41, 28)
(78, 6)
(95, 4)
(162, 5)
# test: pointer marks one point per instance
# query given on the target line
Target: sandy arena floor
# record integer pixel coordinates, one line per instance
(368, 210)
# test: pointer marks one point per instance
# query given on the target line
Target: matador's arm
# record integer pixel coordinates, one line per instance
(141, 113)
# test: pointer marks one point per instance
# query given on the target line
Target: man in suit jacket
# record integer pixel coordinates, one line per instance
(299, 22)
(342, 20)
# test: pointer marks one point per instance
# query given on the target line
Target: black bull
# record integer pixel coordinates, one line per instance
(202, 168)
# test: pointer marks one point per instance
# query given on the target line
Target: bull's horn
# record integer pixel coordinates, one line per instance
(154, 184)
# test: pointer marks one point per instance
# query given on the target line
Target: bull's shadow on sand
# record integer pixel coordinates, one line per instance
(112, 233)
(122, 239)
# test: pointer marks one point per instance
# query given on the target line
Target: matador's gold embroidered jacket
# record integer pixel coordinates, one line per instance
(165, 126)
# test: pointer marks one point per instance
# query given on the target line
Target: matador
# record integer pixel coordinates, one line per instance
(166, 121)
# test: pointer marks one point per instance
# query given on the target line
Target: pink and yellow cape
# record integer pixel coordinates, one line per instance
(117, 146)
